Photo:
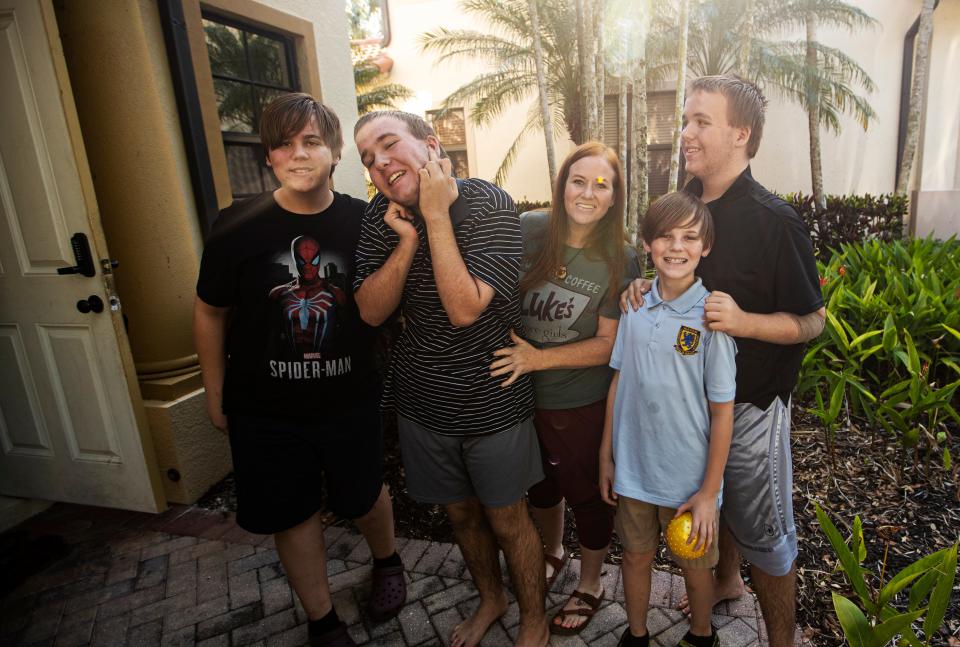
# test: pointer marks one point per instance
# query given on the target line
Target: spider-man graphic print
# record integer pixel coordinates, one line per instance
(309, 302)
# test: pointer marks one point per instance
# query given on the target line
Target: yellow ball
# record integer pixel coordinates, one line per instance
(678, 530)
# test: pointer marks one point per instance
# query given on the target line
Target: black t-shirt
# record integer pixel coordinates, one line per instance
(762, 257)
(296, 345)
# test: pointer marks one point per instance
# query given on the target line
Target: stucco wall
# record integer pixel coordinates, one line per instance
(865, 162)
(131, 130)
(941, 144)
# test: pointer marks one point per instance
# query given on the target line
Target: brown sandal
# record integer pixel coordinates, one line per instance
(592, 602)
(557, 564)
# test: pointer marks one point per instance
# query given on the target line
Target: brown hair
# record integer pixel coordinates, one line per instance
(607, 238)
(417, 125)
(677, 209)
(288, 114)
(746, 104)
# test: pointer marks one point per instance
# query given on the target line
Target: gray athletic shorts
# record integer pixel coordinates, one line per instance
(497, 469)
(758, 487)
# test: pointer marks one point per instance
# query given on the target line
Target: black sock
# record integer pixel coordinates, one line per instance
(321, 626)
(393, 560)
(629, 640)
(700, 641)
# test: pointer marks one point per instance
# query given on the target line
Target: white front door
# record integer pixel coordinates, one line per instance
(71, 421)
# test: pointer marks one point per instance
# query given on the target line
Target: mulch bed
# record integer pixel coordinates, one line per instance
(909, 506)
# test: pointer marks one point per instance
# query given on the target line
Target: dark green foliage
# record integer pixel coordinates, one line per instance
(373, 91)
(926, 586)
(890, 351)
(850, 219)
(531, 205)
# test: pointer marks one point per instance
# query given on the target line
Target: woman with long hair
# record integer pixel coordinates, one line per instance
(576, 260)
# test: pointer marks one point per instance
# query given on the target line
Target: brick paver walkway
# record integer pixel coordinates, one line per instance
(192, 577)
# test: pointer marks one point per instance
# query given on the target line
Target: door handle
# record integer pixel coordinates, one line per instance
(82, 255)
(93, 303)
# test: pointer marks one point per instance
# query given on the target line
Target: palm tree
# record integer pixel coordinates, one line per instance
(682, 27)
(638, 196)
(587, 54)
(599, 64)
(921, 68)
(813, 115)
(373, 92)
(542, 91)
(512, 78)
(743, 59)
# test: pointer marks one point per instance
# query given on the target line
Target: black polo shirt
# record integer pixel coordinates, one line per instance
(762, 257)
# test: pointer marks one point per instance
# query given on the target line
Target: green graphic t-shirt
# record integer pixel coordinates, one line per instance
(565, 310)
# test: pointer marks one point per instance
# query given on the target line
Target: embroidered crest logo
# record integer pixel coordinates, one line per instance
(688, 341)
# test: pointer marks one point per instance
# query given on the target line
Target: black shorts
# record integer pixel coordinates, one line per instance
(279, 466)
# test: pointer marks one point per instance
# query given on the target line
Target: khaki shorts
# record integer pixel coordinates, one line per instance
(639, 526)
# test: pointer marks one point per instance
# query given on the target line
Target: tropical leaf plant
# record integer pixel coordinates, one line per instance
(373, 91)
(890, 351)
(879, 612)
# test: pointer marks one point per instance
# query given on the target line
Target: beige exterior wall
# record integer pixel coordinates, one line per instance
(853, 162)
(865, 162)
(941, 142)
(128, 116)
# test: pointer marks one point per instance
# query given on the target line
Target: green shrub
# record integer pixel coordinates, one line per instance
(890, 350)
(531, 205)
(876, 621)
(850, 219)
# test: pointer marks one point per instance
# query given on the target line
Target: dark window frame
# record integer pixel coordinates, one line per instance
(252, 140)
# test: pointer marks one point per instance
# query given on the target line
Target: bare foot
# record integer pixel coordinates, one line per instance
(533, 634)
(469, 632)
(722, 591)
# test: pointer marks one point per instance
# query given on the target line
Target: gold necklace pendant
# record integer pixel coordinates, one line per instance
(561, 271)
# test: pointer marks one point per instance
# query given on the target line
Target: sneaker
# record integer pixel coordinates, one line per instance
(690, 640)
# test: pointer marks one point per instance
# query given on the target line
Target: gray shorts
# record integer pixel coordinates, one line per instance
(496, 469)
(758, 487)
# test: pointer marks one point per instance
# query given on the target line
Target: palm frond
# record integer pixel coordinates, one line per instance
(532, 124)
(491, 93)
(778, 16)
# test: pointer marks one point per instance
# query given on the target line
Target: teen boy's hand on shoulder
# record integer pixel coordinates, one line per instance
(722, 314)
(633, 295)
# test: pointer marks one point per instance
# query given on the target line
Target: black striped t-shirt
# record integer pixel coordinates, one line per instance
(439, 375)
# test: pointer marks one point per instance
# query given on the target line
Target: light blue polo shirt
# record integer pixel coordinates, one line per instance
(670, 367)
